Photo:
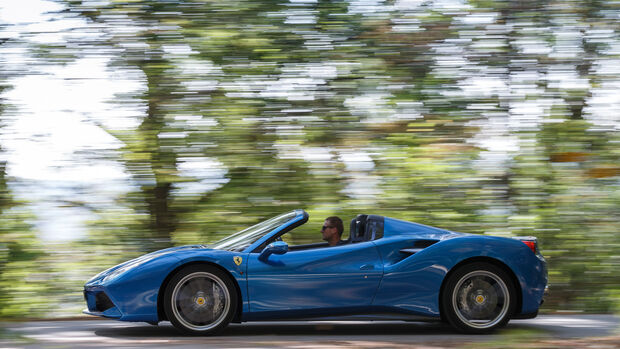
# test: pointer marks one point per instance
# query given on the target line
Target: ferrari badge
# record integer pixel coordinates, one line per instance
(238, 260)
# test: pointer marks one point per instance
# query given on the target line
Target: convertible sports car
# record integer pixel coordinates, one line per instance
(387, 269)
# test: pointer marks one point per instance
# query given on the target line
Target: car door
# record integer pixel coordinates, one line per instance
(327, 277)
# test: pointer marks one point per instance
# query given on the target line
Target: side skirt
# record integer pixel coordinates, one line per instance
(339, 314)
(525, 316)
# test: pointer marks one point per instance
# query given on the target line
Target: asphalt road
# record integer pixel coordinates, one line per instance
(313, 334)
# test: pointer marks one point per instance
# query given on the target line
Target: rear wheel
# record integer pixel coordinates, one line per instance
(478, 298)
(200, 300)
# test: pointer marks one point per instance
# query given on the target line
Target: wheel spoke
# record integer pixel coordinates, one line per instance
(200, 301)
(481, 299)
(186, 293)
(193, 286)
(203, 284)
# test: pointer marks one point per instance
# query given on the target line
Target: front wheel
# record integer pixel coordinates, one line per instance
(200, 300)
(478, 298)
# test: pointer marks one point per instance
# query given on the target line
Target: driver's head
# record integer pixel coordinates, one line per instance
(335, 222)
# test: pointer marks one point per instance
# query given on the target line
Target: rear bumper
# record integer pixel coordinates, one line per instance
(545, 295)
(534, 314)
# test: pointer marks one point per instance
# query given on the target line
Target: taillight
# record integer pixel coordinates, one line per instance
(530, 241)
(531, 245)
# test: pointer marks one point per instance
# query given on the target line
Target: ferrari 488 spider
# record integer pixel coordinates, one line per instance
(387, 269)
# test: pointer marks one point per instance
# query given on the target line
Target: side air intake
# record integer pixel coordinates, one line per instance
(418, 246)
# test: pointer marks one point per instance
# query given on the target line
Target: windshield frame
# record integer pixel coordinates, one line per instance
(258, 233)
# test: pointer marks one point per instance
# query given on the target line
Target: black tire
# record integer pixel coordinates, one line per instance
(478, 298)
(200, 300)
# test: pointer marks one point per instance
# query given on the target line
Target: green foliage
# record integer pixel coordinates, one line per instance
(22, 279)
(253, 108)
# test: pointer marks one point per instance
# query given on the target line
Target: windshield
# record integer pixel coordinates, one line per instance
(241, 240)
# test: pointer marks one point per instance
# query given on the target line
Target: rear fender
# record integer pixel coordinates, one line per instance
(415, 282)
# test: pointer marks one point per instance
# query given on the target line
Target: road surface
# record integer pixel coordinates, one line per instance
(565, 330)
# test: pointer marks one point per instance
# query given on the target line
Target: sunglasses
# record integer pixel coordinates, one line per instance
(326, 227)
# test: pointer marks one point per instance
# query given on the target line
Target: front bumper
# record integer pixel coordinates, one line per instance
(99, 304)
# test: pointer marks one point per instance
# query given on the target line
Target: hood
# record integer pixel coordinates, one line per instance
(133, 263)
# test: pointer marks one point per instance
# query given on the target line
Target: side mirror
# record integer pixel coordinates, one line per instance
(278, 247)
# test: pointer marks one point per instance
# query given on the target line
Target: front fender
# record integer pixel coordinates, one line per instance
(233, 263)
(135, 292)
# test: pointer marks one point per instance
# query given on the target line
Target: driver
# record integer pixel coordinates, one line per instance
(332, 230)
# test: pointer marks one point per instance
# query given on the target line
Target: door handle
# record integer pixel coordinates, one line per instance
(367, 267)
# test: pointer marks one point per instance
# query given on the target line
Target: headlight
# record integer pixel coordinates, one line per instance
(130, 265)
(97, 276)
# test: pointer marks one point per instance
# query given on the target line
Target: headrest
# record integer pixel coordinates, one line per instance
(358, 228)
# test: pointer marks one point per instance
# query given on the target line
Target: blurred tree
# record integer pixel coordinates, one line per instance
(150, 155)
(550, 193)
(279, 101)
(238, 57)
(20, 251)
(426, 162)
(474, 116)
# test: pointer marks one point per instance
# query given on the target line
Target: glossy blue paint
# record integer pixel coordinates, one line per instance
(400, 273)
(278, 248)
(330, 277)
(422, 274)
(135, 292)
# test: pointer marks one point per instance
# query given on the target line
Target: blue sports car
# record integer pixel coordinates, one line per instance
(387, 269)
